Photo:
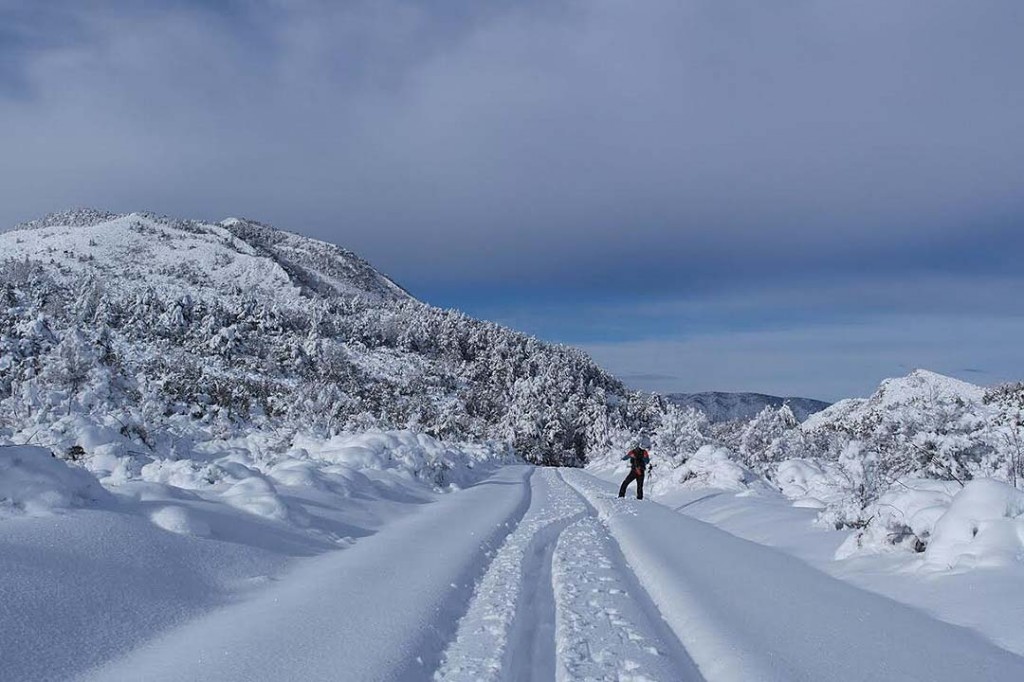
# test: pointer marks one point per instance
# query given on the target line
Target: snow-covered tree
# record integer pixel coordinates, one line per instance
(681, 432)
(761, 433)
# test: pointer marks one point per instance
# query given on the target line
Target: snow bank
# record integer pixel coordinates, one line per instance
(712, 466)
(33, 482)
(983, 527)
(902, 519)
(747, 612)
(808, 483)
(441, 464)
(180, 520)
(978, 525)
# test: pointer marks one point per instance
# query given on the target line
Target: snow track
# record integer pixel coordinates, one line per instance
(508, 631)
(544, 575)
(560, 602)
(607, 626)
(381, 610)
(749, 612)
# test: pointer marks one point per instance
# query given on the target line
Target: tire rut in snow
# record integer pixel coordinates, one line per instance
(508, 631)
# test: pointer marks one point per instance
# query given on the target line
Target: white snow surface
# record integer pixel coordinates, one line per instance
(745, 611)
(101, 555)
(524, 574)
(983, 526)
(374, 611)
(980, 591)
(33, 483)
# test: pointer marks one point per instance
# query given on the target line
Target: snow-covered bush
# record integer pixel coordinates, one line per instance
(923, 426)
(757, 446)
(713, 466)
(437, 463)
(1007, 430)
(902, 518)
(984, 526)
(977, 525)
(809, 483)
(681, 432)
(34, 482)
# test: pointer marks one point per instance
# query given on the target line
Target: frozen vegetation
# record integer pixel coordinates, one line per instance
(142, 337)
(195, 416)
(722, 407)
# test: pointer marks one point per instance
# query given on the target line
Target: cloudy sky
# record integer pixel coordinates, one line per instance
(798, 197)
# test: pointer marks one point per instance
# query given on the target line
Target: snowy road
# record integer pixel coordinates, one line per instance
(543, 575)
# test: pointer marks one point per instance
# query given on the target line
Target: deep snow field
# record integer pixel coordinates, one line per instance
(970, 574)
(96, 559)
(390, 555)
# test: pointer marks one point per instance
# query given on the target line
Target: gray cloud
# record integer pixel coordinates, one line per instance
(807, 131)
(829, 362)
(582, 154)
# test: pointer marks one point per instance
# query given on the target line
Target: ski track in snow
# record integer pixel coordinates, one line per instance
(506, 623)
(607, 626)
(748, 612)
(560, 602)
(381, 610)
(544, 575)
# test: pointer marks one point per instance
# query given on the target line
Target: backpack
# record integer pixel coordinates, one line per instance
(636, 458)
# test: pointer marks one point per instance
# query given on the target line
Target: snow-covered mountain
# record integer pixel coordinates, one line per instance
(722, 406)
(180, 331)
(921, 388)
(133, 252)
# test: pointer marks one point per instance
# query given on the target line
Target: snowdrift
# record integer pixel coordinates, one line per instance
(33, 482)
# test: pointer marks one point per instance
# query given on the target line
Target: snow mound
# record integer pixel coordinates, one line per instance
(181, 521)
(980, 525)
(902, 519)
(258, 496)
(33, 482)
(418, 455)
(804, 480)
(983, 527)
(712, 466)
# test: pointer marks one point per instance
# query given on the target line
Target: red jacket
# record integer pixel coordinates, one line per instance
(638, 459)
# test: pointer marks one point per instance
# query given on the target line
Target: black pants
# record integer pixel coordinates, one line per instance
(637, 476)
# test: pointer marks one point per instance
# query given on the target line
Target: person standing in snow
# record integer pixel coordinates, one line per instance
(639, 460)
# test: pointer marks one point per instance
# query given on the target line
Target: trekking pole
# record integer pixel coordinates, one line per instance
(650, 481)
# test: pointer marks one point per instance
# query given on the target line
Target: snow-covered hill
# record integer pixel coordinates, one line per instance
(159, 333)
(919, 389)
(179, 258)
(722, 406)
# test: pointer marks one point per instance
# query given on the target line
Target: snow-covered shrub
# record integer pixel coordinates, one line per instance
(713, 466)
(921, 426)
(758, 448)
(983, 527)
(980, 524)
(681, 432)
(437, 463)
(1007, 430)
(180, 520)
(33, 482)
(902, 519)
(809, 483)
